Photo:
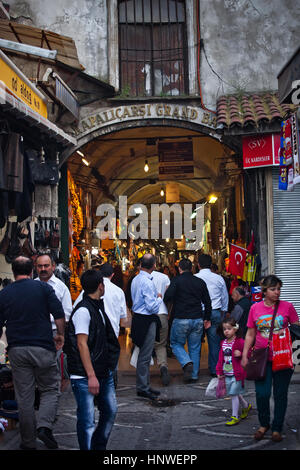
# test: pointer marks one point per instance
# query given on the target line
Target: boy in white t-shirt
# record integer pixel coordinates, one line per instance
(92, 354)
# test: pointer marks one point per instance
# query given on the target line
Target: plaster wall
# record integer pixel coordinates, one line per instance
(246, 42)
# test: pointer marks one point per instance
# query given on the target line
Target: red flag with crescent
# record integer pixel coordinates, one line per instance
(237, 259)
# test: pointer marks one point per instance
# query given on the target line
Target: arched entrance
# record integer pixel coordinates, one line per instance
(109, 162)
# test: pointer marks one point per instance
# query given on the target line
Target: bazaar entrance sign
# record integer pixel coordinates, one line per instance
(144, 112)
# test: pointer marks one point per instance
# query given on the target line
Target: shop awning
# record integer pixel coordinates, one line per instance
(65, 46)
(287, 78)
(18, 95)
(35, 120)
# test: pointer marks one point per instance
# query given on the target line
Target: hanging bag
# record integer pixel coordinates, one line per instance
(211, 388)
(282, 351)
(257, 363)
(221, 388)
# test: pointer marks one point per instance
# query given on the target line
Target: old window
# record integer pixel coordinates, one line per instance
(152, 47)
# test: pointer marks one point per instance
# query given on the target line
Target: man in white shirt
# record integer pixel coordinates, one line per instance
(45, 267)
(114, 298)
(161, 282)
(219, 302)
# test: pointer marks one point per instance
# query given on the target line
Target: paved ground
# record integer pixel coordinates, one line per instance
(193, 422)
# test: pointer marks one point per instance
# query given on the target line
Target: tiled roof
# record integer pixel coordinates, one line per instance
(250, 110)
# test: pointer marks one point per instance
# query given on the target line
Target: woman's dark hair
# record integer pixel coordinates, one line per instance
(270, 281)
(90, 280)
(232, 321)
(22, 266)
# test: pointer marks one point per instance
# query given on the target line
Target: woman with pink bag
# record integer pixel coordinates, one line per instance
(259, 325)
(229, 368)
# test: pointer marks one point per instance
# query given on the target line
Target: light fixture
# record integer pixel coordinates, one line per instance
(162, 193)
(85, 161)
(80, 153)
(212, 199)
(146, 167)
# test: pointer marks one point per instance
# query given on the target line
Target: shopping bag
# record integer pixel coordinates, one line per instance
(221, 388)
(211, 388)
(282, 351)
(134, 357)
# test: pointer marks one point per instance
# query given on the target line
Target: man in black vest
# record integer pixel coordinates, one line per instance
(92, 354)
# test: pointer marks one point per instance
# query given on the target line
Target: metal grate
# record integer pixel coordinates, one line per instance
(152, 47)
(287, 240)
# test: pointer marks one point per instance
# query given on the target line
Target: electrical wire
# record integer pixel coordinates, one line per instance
(198, 59)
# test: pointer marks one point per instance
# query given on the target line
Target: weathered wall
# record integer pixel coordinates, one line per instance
(246, 42)
(83, 20)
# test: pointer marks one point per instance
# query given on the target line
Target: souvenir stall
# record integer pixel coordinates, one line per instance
(30, 146)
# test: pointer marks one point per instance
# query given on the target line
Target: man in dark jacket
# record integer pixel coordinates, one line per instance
(241, 310)
(188, 293)
(92, 354)
(25, 307)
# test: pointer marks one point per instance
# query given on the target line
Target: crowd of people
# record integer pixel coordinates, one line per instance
(49, 338)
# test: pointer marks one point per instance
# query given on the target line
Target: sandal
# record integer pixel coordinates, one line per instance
(259, 435)
(276, 436)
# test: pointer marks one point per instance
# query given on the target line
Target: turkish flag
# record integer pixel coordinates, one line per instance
(237, 260)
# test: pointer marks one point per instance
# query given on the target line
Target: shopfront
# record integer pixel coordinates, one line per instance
(165, 158)
(29, 169)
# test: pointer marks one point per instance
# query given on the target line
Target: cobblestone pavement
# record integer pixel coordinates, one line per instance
(193, 422)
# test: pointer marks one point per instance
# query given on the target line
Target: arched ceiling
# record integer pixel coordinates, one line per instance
(116, 165)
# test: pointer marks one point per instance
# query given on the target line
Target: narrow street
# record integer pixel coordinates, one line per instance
(193, 422)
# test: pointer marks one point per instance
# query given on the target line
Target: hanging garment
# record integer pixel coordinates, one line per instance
(14, 248)
(23, 201)
(13, 163)
(4, 245)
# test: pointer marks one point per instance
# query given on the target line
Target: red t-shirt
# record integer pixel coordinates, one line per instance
(260, 318)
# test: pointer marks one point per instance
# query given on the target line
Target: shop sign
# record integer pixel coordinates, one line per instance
(172, 193)
(261, 151)
(18, 85)
(175, 160)
(145, 111)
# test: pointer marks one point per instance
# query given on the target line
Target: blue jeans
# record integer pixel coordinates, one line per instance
(89, 436)
(214, 340)
(190, 331)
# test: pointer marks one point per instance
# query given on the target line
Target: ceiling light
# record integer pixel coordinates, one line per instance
(212, 199)
(146, 167)
(85, 161)
(162, 193)
(80, 153)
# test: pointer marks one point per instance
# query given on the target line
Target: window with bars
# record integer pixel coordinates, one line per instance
(153, 47)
